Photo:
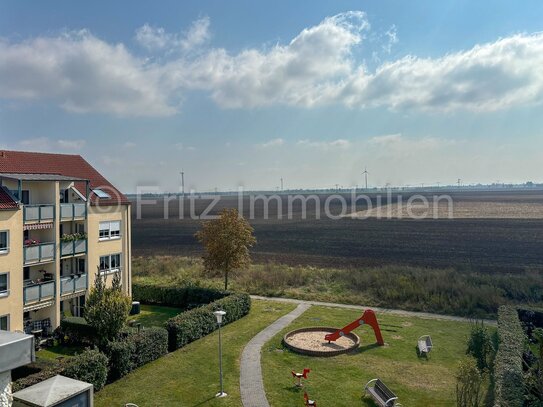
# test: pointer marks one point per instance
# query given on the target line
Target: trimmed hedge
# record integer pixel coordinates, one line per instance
(196, 323)
(508, 373)
(75, 330)
(45, 369)
(182, 297)
(89, 366)
(135, 350)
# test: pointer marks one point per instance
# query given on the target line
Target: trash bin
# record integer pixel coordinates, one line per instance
(136, 309)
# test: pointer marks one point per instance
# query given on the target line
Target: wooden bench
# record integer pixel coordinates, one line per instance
(424, 345)
(380, 393)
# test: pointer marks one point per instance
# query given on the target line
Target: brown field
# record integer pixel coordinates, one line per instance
(493, 231)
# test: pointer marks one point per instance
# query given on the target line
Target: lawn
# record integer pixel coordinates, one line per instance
(155, 315)
(340, 380)
(59, 351)
(189, 376)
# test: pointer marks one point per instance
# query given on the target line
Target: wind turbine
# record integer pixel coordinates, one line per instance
(182, 173)
(365, 173)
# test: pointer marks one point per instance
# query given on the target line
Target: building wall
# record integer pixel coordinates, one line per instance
(98, 248)
(12, 263)
(48, 193)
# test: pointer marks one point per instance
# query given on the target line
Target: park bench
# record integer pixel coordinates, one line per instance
(380, 393)
(424, 345)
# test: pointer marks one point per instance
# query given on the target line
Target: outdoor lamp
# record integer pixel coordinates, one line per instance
(219, 314)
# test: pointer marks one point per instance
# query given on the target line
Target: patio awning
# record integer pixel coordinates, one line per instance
(38, 226)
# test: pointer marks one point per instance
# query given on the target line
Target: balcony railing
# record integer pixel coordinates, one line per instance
(73, 211)
(73, 247)
(38, 213)
(36, 293)
(74, 283)
(39, 253)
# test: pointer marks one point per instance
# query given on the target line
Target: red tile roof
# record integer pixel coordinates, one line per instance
(6, 201)
(21, 162)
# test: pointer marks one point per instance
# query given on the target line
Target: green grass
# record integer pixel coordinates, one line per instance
(340, 380)
(155, 315)
(189, 376)
(54, 352)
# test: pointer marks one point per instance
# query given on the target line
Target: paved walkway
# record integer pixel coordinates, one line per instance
(425, 315)
(250, 383)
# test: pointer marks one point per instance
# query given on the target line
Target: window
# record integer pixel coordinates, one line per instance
(26, 273)
(4, 284)
(115, 262)
(101, 194)
(110, 264)
(104, 263)
(25, 199)
(110, 230)
(4, 241)
(4, 323)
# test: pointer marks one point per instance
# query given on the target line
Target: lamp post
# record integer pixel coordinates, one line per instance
(219, 315)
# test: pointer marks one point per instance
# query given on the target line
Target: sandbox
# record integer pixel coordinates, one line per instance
(310, 341)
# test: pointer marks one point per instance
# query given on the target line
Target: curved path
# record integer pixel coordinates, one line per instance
(424, 315)
(250, 383)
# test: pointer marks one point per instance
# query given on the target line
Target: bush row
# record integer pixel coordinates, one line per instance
(43, 370)
(183, 297)
(75, 330)
(508, 373)
(135, 350)
(196, 323)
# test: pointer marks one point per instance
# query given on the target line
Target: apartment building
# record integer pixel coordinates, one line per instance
(61, 223)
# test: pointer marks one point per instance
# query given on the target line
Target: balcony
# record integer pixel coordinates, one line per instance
(38, 293)
(73, 247)
(39, 253)
(74, 284)
(38, 214)
(73, 211)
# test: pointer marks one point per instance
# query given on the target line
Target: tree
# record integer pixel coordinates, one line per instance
(469, 384)
(107, 309)
(226, 241)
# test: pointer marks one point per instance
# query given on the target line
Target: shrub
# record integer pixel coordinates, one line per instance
(480, 346)
(43, 370)
(194, 324)
(75, 330)
(508, 371)
(469, 383)
(89, 366)
(175, 296)
(106, 309)
(119, 354)
(149, 345)
(135, 350)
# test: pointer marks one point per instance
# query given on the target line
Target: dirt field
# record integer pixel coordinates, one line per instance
(476, 240)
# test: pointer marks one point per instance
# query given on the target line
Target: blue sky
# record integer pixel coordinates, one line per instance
(244, 93)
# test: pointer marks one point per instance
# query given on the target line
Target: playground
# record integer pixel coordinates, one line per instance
(340, 380)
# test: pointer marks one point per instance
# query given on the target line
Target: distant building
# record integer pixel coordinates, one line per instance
(61, 222)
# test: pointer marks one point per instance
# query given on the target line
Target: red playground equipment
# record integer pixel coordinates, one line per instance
(299, 376)
(367, 318)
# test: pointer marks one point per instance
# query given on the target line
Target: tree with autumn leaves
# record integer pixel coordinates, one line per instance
(226, 242)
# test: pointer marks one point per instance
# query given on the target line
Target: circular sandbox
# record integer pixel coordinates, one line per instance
(310, 341)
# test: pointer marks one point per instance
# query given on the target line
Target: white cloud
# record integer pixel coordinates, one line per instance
(181, 147)
(276, 142)
(83, 73)
(75, 145)
(129, 144)
(37, 144)
(157, 39)
(339, 143)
